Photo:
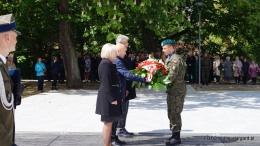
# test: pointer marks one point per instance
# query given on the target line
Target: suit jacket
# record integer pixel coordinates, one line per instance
(124, 73)
(129, 88)
(191, 60)
(109, 90)
(81, 63)
(94, 63)
(48, 62)
(61, 64)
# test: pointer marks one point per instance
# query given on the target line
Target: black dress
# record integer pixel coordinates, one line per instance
(108, 92)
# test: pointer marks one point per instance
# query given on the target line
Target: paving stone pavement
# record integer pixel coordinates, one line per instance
(88, 139)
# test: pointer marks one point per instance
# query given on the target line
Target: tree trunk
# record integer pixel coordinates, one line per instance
(150, 44)
(68, 50)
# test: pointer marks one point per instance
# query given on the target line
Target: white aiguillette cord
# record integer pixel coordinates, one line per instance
(7, 105)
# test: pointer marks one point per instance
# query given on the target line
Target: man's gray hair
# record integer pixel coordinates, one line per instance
(120, 39)
(227, 57)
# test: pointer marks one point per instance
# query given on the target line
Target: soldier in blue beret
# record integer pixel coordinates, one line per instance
(175, 93)
(8, 34)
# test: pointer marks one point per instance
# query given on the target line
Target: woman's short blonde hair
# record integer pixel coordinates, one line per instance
(217, 57)
(108, 51)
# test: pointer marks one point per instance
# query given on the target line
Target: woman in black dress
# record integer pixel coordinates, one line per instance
(108, 100)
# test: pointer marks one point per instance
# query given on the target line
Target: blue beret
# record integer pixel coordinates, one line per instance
(205, 53)
(167, 42)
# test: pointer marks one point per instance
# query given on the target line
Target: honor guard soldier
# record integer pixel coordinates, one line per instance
(8, 34)
(176, 91)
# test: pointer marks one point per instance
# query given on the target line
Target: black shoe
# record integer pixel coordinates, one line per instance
(128, 132)
(123, 133)
(52, 88)
(207, 83)
(118, 141)
(173, 142)
(114, 143)
(167, 140)
(55, 88)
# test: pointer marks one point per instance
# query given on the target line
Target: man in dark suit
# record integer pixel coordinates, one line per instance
(62, 71)
(123, 73)
(211, 76)
(190, 61)
(94, 68)
(48, 66)
(81, 64)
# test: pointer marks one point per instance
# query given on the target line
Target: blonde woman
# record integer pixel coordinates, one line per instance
(216, 64)
(109, 100)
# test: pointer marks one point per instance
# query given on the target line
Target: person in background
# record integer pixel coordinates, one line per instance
(93, 67)
(241, 58)
(87, 67)
(205, 68)
(81, 64)
(108, 103)
(62, 70)
(40, 69)
(211, 76)
(216, 64)
(142, 57)
(146, 55)
(190, 61)
(14, 59)
(245, 68)
(253, 71)
(55, 70)
(98, 62)
(48, 66)
(163, 59)
(136, 62)
(228, 70)
(237, 64)
(11, 64)
(195, 54)
(158, 55)
(196, 74)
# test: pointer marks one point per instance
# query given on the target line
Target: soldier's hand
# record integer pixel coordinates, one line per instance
(147, 81)
(18, 89)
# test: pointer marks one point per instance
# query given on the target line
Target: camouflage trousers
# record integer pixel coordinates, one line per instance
(175, 103)
(205, 74)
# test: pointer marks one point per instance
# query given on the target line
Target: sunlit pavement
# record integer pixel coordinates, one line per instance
(214, 113)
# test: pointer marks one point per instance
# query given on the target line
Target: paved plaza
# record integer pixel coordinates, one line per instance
(68, 118)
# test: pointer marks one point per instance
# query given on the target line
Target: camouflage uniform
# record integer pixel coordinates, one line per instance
(176, 94)
(206, 65)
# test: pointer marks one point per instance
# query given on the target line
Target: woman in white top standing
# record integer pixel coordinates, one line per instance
(216, 64)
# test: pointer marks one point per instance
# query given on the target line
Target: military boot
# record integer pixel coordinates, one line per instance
(172, 137)
(207, 83)
(176, 139)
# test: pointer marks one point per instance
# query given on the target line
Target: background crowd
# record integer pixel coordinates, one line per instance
(212, 68)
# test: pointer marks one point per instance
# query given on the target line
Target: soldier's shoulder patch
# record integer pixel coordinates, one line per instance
(174, 61)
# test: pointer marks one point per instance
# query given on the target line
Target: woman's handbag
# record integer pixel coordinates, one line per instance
(220, 67)
(44, 72)
(238, 71)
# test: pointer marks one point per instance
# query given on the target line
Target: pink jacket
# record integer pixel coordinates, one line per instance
(253, 68)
